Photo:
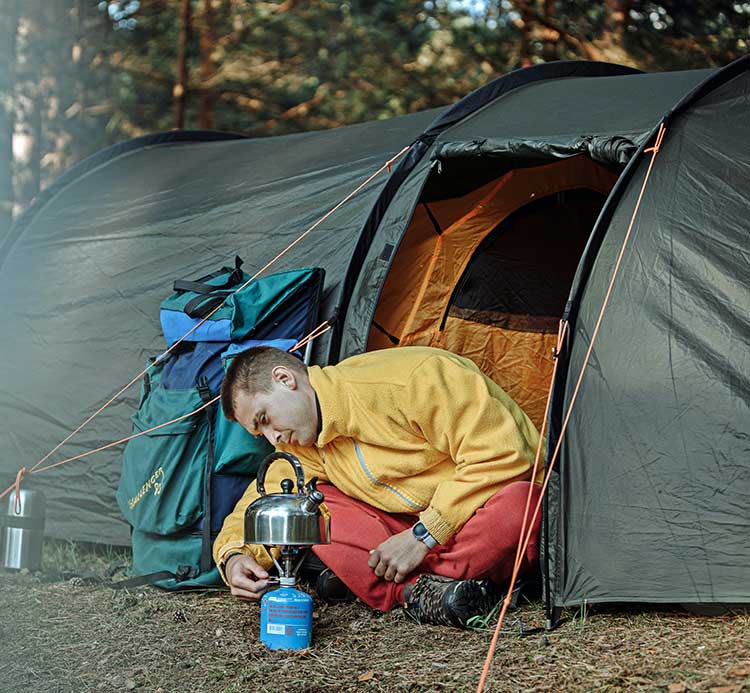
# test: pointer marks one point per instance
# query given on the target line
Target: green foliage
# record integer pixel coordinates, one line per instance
(62, 99)
(669, 34)
(94, 72)
(328, 63)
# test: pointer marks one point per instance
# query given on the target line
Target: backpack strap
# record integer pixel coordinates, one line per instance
(206, 553)
(201, 286)
(203, 304)
(184, 572)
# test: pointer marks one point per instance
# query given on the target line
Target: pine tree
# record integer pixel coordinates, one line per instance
(9, 10)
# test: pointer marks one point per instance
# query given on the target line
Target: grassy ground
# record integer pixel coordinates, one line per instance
(58, 633)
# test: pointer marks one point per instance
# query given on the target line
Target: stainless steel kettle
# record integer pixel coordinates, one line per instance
(287, 518)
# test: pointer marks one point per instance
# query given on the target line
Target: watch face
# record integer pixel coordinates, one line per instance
(420, 531)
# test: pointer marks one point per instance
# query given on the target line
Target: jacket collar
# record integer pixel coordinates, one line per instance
(331, 400)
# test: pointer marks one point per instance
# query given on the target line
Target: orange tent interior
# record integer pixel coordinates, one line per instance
(487, 274)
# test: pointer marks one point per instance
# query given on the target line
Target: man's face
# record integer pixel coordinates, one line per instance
(287, 414)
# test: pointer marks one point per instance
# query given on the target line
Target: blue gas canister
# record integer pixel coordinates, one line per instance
(286, 618)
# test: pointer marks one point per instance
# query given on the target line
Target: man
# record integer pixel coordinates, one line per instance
(424, 462)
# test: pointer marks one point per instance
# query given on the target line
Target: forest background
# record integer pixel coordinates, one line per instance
(79, 75)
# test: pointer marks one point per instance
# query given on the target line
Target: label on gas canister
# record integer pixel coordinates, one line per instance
(286, 619)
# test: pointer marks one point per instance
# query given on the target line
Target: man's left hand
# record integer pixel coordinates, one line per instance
(397, 556)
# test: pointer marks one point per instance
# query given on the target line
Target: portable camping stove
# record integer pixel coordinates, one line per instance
(292, 522)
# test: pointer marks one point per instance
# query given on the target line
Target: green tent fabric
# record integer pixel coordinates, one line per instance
(652, 496)
(86, 267)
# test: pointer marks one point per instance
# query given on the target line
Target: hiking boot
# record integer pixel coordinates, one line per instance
(443, 601)
(331, 589)
(311, 567)
(328, 586)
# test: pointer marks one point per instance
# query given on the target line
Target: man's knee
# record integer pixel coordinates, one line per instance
(515, 494)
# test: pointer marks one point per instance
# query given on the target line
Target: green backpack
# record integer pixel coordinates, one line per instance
(179, 482)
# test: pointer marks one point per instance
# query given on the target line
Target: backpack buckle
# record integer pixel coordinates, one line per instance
(203, 388)
(185, 572)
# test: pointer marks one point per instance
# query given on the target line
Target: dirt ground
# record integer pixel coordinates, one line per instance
(59, 632)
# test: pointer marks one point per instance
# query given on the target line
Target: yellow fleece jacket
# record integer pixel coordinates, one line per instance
(409, 430)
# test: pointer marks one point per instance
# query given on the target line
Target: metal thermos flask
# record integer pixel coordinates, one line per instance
(22, 530)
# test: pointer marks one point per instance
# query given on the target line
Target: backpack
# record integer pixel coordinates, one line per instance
(178, 483)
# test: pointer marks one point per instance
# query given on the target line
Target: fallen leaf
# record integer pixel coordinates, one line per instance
(367, 676)
(726, 689)
(676, 688)
(739, 671)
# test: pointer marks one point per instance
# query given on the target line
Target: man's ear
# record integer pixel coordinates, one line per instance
(285, 376)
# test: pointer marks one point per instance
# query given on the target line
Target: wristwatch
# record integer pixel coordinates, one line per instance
(421, 533)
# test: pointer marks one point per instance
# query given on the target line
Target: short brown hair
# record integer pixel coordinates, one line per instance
(250, 371)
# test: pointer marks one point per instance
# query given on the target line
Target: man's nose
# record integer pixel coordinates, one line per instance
(272, 436)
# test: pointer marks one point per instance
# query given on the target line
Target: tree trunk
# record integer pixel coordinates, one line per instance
(551, 38)
(8, 36)
(525, 29)
(180, 88)
(35, 159)
(206, 94)
(32, 52)
(615, 20)
(78, 51)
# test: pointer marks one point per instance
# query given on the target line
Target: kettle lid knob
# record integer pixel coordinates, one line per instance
(287, 486)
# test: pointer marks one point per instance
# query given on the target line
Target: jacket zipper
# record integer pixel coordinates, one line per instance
(377, 482)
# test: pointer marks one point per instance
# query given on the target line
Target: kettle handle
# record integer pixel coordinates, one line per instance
(266, 463)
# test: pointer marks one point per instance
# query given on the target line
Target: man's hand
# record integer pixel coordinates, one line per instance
(397, 556)
(247, 580)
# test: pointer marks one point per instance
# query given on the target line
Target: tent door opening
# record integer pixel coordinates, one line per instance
(486, 274)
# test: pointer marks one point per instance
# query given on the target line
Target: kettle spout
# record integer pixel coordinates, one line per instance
(313, 501)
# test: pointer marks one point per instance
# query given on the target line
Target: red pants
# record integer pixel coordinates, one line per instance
(484, 548)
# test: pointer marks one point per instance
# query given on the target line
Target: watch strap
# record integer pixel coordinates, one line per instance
(421, 533)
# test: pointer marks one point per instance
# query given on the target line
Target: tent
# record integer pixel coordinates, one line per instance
(504, 215)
